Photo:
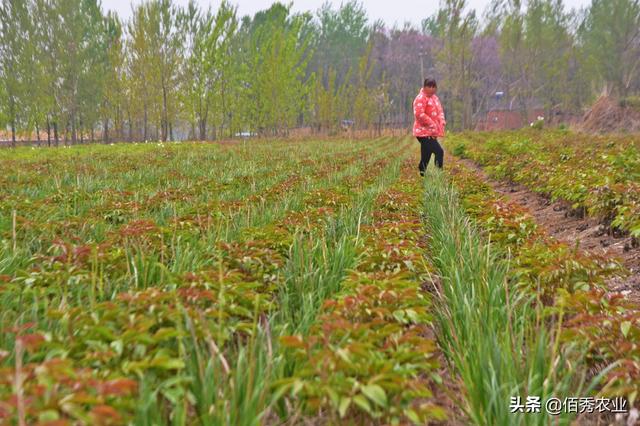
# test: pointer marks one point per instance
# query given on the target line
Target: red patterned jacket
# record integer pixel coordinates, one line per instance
(429, 116)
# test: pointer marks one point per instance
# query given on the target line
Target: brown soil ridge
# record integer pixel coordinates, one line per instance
(560, 222)
(609, 115)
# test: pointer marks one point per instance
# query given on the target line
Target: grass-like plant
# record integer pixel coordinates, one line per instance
(499, 340)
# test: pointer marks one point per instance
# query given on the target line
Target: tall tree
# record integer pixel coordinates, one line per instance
(457, 28)
(223, 67)
(155, 44)
(113, 78)
(46, 91)
(141, 70)
(14, 51)
(196, 86)
(548, 45)
(169, 60)
(610, 38)
(277, 79)
(342, 37)
(78, 34)
(364, 102)
(207, 66)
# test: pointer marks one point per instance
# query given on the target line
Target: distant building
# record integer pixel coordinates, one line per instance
(504, 119)
(505, 114)
(347, 124)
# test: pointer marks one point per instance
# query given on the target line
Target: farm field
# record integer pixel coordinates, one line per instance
(217, 213)
(316, 282)
(194, 284)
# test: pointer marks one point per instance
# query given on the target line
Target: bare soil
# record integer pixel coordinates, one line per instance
(607, 115)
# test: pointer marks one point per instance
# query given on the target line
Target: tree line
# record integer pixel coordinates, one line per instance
(69, 70)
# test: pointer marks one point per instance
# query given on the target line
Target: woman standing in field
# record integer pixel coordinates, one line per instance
(429, 124)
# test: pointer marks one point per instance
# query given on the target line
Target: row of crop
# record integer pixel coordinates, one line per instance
(570, 284)
(369, 358)
(595, 174)
(187, 349)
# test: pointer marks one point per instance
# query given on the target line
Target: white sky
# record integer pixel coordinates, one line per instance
(390, 11)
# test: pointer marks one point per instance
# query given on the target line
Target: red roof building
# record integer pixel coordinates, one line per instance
(504, 119)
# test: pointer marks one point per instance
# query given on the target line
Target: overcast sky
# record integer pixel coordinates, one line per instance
(390, 11)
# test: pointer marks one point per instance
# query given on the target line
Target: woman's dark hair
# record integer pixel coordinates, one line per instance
(430, 82)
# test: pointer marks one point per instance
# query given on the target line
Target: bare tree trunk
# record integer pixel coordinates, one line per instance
(145, 126)
(38, 134)
(106, 130)
(13, 121)
(165, 115)
(48, 132)
(119, 124)
(55, 133)
(74, 137)
(13, 132)
(203, 128)
(130, 126)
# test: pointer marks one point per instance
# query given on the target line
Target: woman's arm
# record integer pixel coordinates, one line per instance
(441, 118)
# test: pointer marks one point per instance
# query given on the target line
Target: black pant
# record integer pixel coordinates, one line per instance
(428, 146)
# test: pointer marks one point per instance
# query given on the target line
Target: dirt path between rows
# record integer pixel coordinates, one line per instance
(558, 220)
